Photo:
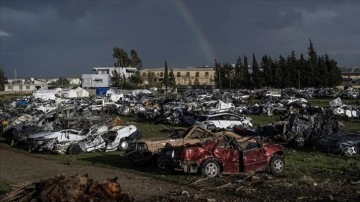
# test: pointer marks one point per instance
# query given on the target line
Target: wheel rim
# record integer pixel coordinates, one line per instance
(211, 169)
(278, 165)
(350, 151)
(124, 145)
(300, 142)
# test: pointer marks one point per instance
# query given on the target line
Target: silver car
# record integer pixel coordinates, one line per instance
(222, 121)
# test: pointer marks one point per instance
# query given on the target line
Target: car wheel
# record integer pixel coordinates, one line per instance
(75, 149)
(211, 169)
(277, 165)
(299, 141)
(124, 144)
(350, 150)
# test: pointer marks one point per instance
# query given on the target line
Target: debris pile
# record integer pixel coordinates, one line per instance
(70, 188)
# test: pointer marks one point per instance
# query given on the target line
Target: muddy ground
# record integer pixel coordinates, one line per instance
(23, 168)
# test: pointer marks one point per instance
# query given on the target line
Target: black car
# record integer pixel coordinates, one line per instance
(345, 143)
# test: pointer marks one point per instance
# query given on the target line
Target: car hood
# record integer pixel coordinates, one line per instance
(44, 135)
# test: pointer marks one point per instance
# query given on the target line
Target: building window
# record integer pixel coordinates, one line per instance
(206, 74)
(27, 87)
(196, 74)
(10, 87)
(178, 74)
(98, 81)
(187, 74)
(161, 74)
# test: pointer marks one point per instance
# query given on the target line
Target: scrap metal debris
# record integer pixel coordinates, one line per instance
(77, 188)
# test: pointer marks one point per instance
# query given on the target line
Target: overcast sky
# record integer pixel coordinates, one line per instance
(53, 38)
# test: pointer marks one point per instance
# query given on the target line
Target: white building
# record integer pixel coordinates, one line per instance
(25, 85)
(102, 76)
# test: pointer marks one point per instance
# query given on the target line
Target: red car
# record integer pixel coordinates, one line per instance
(224, 155)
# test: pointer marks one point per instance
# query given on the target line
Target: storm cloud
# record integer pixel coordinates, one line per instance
(42, 38)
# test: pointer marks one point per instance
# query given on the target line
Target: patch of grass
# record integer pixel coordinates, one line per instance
(313, 163)
(263, 120)
(324, 102)
(5, 187)
(150, 130)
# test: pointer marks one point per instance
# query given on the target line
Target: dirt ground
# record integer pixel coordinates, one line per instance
(21, 168)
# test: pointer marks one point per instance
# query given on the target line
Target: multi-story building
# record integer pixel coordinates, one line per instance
(102, 77)
(184, 77)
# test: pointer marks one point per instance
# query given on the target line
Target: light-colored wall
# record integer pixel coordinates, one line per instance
(185, 76)
(95, 80)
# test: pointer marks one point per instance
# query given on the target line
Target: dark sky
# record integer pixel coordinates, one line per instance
(53, 38)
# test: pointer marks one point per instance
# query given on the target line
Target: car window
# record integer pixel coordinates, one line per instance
(235, 118)
(212, 118)
(224, 117)
(201, 118)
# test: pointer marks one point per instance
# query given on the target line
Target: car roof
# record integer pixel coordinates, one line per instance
(217, 114)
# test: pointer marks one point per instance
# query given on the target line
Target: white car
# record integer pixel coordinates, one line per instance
(116, 138)
(60, 140)
(222, 121)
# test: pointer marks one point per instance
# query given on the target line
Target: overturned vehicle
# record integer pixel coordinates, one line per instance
(224, 155)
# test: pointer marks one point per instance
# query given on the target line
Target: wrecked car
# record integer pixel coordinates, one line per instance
(222, 121)
(345, 143)
(142, 151)
(117, 138)
(224, 155)
(45, 141)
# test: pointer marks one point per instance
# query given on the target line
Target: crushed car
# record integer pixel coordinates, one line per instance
(224, 155)
(345, 143)
(146, 150)
(116, 138)
(45, 141)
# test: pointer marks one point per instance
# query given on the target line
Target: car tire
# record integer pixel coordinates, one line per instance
(277, 165)
(75, 149)
(350, 151)
(124, 144)
(299, 141)
(211, 169)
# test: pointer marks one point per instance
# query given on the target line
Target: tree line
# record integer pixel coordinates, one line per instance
(315, 71)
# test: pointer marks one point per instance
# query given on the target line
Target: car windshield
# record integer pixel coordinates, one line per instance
(201, 118)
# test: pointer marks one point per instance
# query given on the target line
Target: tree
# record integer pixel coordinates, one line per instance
(135, 60)
(218, 74)
(3, 80)
(136, 78)
(172, 80)
(266, 66)
(61, 82)
(151, 79)
(122, 58)
(257, 80)
(246, 74)
(166, 77)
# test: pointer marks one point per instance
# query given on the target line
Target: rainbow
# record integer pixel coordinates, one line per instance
(195, 29)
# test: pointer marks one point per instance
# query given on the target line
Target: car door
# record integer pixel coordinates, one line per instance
(224, 121)
(228, 155)
(254, 159)
(235, 120)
